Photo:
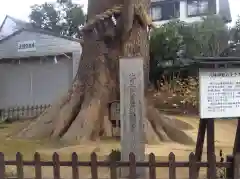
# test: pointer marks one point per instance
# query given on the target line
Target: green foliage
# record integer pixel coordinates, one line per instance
(62, 17)
(74, 18)
(166, 42)
(173, 47)
(115, 155)
(176, 42)
(207, 37)
(213, 35)
(45, 16)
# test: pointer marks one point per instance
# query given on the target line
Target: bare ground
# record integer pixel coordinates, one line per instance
(224, 137)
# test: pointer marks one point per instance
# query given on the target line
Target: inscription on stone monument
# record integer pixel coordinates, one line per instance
(132, 107)
(219, 93)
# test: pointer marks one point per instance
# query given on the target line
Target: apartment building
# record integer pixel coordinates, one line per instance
(188, 10)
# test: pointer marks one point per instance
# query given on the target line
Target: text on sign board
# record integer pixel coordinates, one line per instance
(219, 93)
(27, 46)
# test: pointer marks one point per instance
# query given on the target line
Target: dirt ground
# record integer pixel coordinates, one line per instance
(224, 137)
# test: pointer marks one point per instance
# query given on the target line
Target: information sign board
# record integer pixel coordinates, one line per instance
(219, 93)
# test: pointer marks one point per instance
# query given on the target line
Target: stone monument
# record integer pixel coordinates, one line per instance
(132, 111)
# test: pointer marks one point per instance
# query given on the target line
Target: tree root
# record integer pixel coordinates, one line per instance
(82, 119)
(166, 127)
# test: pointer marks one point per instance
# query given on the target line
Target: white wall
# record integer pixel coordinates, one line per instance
(183, 14)
(34, 83)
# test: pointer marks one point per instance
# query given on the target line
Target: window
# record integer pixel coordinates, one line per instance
(165, 10)
(197, 7)
(156, 13)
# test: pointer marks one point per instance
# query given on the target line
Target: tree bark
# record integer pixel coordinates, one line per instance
(81, 114)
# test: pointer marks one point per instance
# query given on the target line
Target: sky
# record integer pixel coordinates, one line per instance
(21, 8)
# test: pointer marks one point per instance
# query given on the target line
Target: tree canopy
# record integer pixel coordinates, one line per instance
(62, 17)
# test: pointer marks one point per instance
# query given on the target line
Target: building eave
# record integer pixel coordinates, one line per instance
(3, 22)
(25, 26)
(41, 32)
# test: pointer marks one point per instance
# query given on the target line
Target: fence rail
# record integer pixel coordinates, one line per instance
(113, 165)
(23, 111)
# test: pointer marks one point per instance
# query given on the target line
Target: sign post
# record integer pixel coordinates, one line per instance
(132, 111)
(219, 80)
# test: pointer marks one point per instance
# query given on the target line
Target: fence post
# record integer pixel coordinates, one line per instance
(152, 166)
(236, 166)
(28, 111)
(192, 166)
(172, 167)
(94, 166)
(2, 165)
(19, 161)
(22, 110)
(113, 168)
(56, 166)
(212, 168)
(18, 112)
(230, 170)
(132, 166)
(32, 111)
(9, 113)
(38, 167)
(75, 172)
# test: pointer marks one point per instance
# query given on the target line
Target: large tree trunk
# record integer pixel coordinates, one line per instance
(81, 114)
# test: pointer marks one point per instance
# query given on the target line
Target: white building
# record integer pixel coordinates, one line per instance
(36, 66)
(187, 10)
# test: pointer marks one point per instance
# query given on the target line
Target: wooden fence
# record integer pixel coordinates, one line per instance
(151, 165)
(22, 112)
